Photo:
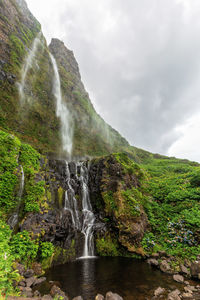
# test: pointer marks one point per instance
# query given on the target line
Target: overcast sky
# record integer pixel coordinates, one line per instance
(140, 62)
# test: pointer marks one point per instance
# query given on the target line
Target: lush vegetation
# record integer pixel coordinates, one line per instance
(173, 207)
(13, 155)
(107, 246)
(18, 248)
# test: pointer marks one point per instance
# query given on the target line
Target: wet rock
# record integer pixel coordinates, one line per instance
(36, 294)
(153, 262)
(174, 295)
(195, 269)
(159, 291)
(178, 278)
(99, 297)
(190, 289)
(187, 295)
(165, 267)
(184, 270)
(29, 273)
(78, 298)
(37, 268)
(22, 283)
(39, 280)
(113, 296)
(20, 268)
(30, 281)
(58, 293)
(27, 292)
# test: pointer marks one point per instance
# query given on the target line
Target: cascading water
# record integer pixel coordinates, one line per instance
(71, 202)
(27, 65)
(88, 215)
(82, 221)
(81, 213)
(13, 220)
(62, 112)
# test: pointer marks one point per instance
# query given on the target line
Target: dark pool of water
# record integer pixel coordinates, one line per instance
(130, 278)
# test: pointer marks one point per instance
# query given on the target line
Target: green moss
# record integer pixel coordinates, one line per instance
(29, 158)
(129, 165)
(107, 246)
(64, 255)
(17, 52)
(132, 201)
(110, 202)
(60, 197)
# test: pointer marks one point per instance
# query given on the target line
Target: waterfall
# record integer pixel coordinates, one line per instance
(13, 220)
(82, 215)
(88, 215)
(71, 202)
(27, 65)
(62, 111)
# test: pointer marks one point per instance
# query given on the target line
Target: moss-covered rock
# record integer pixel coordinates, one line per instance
(118, 183)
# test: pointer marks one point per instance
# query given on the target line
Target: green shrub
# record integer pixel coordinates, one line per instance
(35, 191)
(46, 250)
(9, 150)
(23, 248)
(7, 273)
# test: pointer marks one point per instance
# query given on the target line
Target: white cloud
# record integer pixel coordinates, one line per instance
(187, 146)
(130, 50)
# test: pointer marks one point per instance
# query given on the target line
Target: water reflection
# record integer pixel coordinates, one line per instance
(132, 279)
(88, 283)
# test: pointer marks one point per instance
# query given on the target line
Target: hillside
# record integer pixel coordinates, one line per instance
(70, 185)
(33, 117)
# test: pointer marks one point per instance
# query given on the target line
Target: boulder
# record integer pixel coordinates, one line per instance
(190, 289)
(30, 281)
(37, 268)
(27, 292)
(165, 267)
(99, 297)
(57, 293)
(195, 269)
(178, 278)
(39, 280)
(36, 294)
(159, 291)
(20, 268)
(28, 273)
(187, 295)
(153, 262)
(184, 270)
(113, 296)
(174, 295)
(22, 283)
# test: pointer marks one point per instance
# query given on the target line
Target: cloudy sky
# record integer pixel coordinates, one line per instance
(140, 62)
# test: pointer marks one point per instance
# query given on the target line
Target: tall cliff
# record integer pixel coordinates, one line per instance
(34, 118)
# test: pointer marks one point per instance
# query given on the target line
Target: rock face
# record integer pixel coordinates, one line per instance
(115, 193)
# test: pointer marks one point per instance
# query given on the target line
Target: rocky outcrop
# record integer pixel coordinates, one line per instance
(115, 194)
